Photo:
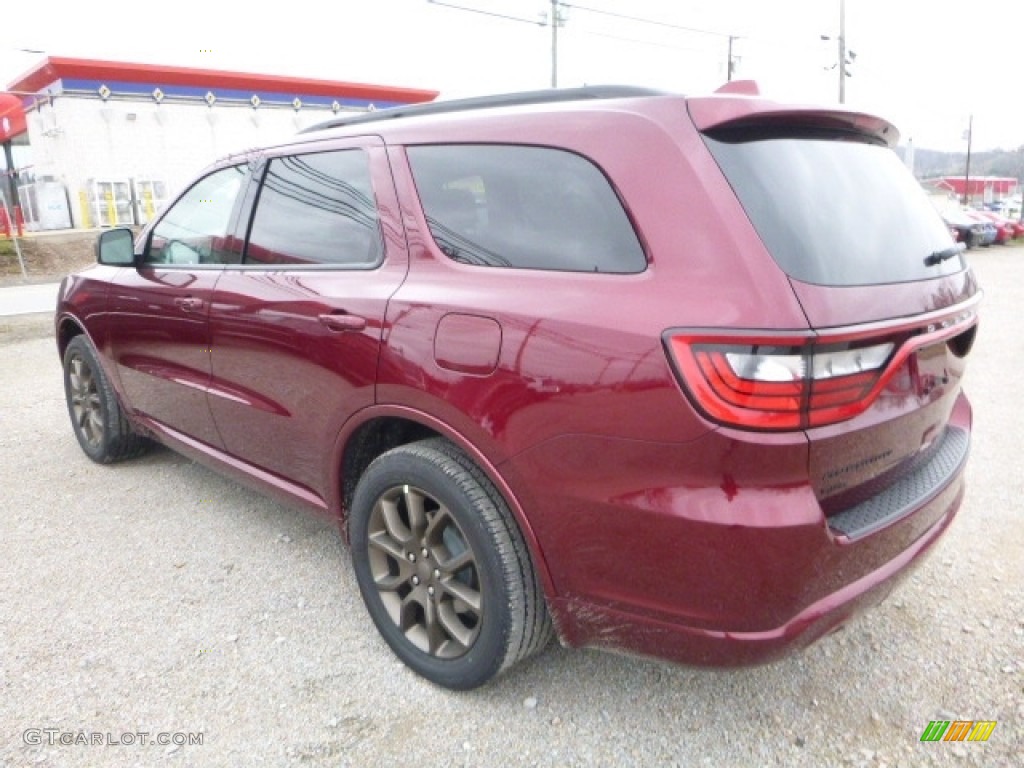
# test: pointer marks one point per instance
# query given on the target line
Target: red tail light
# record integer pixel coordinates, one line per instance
(779, 382)
(795, 380)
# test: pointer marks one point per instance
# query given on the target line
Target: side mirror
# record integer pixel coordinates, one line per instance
(116, 248)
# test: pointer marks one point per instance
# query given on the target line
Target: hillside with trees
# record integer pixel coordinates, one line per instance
(929, 163)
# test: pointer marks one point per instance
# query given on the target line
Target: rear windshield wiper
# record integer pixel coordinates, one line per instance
(940, 256)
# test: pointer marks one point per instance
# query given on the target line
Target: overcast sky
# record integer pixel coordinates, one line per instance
(924, 64)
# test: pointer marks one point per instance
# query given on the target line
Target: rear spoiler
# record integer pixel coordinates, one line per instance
(738, 110)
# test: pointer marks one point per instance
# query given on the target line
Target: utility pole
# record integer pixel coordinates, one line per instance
(730, 67)
(967, 172)
(846, 57)
(842, 51)
(11, 177)
(554, 43)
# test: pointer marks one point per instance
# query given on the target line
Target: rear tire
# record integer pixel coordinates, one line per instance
(443, 567)
(100, 425)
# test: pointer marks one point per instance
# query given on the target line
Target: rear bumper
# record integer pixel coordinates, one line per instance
(648, 557)
(600, 626)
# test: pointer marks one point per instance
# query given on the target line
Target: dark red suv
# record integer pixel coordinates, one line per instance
(674, 376)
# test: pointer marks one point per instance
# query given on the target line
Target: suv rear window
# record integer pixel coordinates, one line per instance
(524, 207)
(836, 212)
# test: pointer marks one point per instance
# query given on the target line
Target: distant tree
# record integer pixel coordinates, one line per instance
(930, 163)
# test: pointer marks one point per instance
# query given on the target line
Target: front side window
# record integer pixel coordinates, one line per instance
(524, 207)
(316, 209)
(196, 229)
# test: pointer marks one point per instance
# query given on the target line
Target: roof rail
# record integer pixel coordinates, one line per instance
(547, 96)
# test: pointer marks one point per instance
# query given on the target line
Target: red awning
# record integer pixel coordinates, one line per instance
(55, 68)
(12, 117)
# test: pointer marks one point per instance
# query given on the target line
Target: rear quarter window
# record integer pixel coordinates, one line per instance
(524, 207)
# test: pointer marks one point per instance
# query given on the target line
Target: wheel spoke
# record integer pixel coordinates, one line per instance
(383, 541)
(75, 374)
(412, 622)
(393, 605)
(415, 506)
(409, 619)
(392, 520)
(435, 631)
(387, 563)
(435, 530)
(390, 582)
(456, 630)
(454, 564)
(464, 593)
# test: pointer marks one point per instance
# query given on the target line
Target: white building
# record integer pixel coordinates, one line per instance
(115, 139)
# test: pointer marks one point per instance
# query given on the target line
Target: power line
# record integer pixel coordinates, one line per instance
(641, 20)
(639, 41)
(543, 22)
(535, 22)
(730, 60)
(555, 20)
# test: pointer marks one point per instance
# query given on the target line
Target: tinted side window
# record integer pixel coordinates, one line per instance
(316, 209)
(524, 207)
(195, 230)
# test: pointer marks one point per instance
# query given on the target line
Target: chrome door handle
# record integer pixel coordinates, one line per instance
(342, 321)
(189, 303)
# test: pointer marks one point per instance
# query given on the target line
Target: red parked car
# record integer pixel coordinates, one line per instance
(577, 361)
(1008, 230)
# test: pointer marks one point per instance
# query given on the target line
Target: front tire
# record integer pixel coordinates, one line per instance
(443, 568)
(100, 426)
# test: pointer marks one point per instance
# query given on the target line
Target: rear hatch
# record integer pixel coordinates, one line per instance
(887, 293)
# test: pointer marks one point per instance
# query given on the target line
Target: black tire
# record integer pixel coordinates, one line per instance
(443, 568)
(100, 425)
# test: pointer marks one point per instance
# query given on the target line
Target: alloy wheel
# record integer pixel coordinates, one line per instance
(425, 572)
(86, 404)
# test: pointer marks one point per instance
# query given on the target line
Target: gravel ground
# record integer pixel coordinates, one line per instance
(157, 597)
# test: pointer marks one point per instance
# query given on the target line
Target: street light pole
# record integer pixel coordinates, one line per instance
(967, 171)
(842, 51)
(554, 43)
(11, 176)
(843, 62)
